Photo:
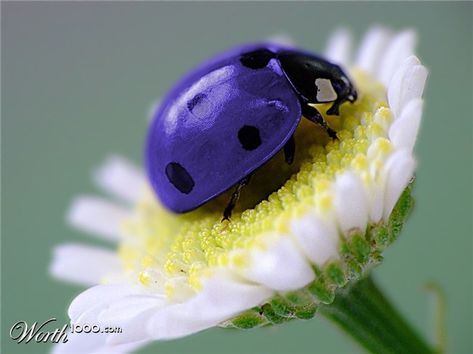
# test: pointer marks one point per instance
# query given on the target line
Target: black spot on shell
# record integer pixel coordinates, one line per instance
(249, 137)
(257, 59)
(179, 177)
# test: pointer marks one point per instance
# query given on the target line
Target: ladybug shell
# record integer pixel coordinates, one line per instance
(217, 125)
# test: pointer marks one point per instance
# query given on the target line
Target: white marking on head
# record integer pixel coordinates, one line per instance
(325, 91)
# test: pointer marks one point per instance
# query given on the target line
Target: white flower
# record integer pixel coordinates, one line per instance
(177, 275)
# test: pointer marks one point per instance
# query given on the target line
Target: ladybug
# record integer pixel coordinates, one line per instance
(230, 115)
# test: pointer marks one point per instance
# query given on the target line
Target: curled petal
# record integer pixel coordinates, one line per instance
(396, 84)
(413, 85)
(351, 203)
(318, 240)
(99, 343)
(403, 132)
(407, 84)
(128, 307)
(376, 199)
(221, 298)
(132, 331)
(279, 265)
(99, 297)
(130, 313)
(400, 170)
(133, 325)
(84, 265)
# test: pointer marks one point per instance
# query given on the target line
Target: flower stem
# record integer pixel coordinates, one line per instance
(365, 313)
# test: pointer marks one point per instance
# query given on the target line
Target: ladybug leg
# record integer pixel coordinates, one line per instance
(227, 213)
(289, 150)
(334, 109)
(314, 116)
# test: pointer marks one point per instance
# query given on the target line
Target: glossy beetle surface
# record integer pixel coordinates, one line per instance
(230, 115)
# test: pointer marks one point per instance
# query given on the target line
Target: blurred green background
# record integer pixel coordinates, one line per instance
(78, 79)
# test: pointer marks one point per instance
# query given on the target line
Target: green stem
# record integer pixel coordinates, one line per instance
(365, 313)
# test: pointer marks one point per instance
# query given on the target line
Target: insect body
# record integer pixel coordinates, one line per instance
(229, 116)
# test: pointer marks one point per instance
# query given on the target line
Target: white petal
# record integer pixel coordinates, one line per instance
(133, 330)
(400, 169)
(371, 49)
(338, 47)
(81, 264)
(221, 298)
(128, 307)
(93, 343)
(351, 204)
(99, 296)
(97, 216)
(396, 84)
(131, 314)
(121, 178)
(407, 84)
(400, 48)
(280, 266)
(106, 342)
(413, 85)
(403, 132)
(282, 39)
(317, 239)
(376, 199)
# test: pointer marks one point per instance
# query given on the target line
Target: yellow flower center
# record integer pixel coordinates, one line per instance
(174, 252)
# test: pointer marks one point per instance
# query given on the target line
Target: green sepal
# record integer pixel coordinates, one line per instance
(334, 273)
(322, 291)
(249, 319)
(302, 303)
(271, 315)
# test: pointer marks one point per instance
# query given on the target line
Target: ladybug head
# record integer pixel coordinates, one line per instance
(342, 85)
(316, 80)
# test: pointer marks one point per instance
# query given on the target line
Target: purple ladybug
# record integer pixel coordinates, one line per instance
(232, 114)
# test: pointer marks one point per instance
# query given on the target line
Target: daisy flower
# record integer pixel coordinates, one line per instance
(301, 233)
